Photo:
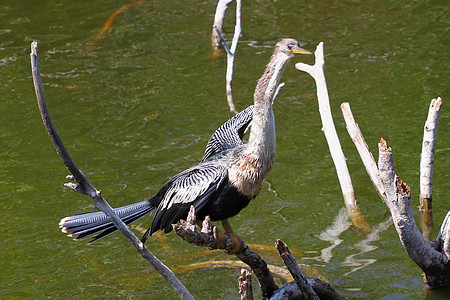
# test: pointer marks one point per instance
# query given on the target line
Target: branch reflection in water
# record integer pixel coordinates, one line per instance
(365, 246)
(341, 224)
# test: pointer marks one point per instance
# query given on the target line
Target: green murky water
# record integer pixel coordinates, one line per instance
(140, 106)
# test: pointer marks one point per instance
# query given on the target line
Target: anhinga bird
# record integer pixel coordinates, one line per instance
(229, 176)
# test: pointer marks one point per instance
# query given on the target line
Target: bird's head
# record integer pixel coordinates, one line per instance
(291, 47)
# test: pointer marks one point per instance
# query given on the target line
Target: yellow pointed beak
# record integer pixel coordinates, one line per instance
(298, 50)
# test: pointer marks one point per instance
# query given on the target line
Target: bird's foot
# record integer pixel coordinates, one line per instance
(237, 244)
(220, 240)
(230, 242)
(209, 236)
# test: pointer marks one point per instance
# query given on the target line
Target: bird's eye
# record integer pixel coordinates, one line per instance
(290, 46)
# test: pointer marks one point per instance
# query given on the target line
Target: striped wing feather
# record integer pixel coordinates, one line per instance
(230, 134)
(194, 186)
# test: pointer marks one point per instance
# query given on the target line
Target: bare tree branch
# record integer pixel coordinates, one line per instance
(82, 185)
(222, 39)
(231, 51)
(363, 149)
(219, 18)
(296, 272)
(426, 167)
(427, 157)
(317, 72)
(443, 238)
(431, 259)
(210, 237)
(291, 291)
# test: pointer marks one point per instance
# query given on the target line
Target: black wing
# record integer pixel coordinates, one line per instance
(195, 186)
(230, 134)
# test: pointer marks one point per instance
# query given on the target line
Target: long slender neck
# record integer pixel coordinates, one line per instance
(262, 140)
(255, 161)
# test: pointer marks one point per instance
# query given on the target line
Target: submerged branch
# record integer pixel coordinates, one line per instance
(82, 185)
(109, 22)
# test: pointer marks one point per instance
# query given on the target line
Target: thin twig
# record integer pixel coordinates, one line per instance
(222, 38)
(83, 185)
(231, 52)
(230, 58)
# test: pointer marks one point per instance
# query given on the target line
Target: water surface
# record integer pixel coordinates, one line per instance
(140, 105)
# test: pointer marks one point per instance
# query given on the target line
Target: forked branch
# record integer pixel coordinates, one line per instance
(431, 257)
(305, 288)
(82, 185)
(231, 51)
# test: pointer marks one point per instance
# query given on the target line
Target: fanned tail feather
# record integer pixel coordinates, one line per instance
(85, 225)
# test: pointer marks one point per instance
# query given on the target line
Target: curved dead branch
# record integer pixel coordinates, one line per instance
(82, 185)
